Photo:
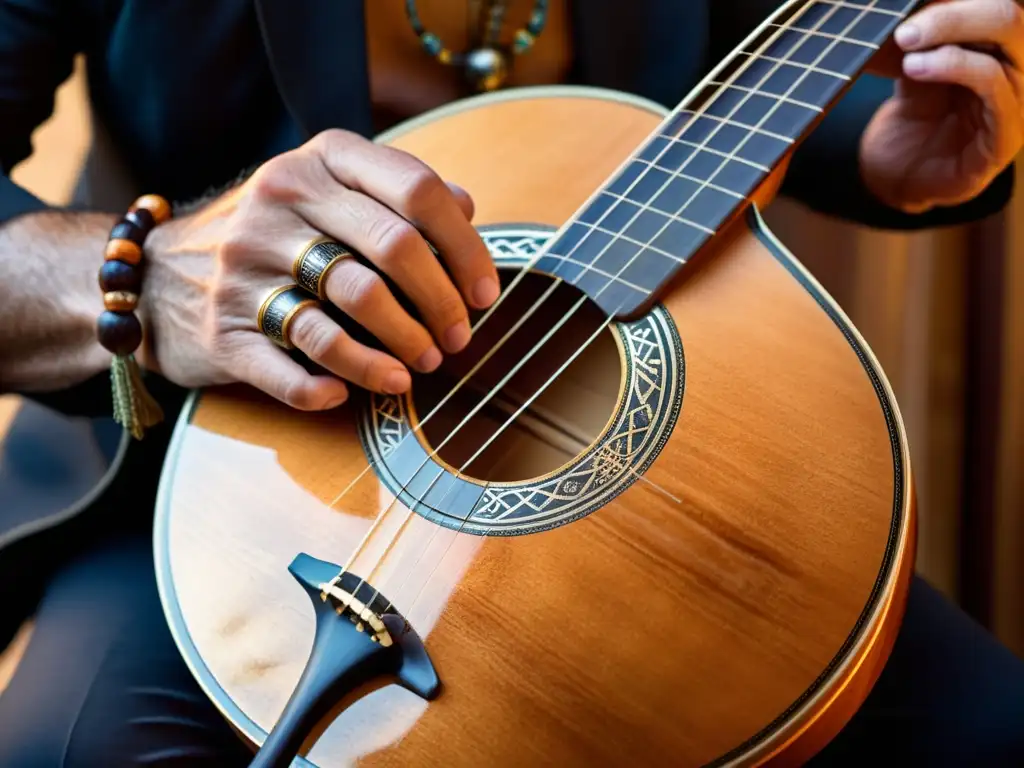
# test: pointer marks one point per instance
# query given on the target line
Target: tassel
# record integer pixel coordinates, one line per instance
(134, 408)
(118, 329)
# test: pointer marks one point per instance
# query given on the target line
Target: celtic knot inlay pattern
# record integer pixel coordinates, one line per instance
(642, 423)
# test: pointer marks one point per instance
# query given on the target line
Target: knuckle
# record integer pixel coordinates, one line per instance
(278, 181)
(950, 58)
(371, 373)
(394, 239)
(363, 293)
(449, 308)
(299, 395)
(234, 252)
(331, 141)
(422, 190)
(317, 340)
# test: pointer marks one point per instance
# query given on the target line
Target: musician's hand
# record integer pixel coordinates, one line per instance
(209, 272)
(956, 119)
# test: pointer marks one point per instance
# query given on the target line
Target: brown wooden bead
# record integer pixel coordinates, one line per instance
(116, 275)
(142, 219)
(159, 208)
(126, 230)
(120, 301)
(123, 250)
(120, 333)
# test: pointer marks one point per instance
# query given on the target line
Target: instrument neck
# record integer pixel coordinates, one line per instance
(700, 167)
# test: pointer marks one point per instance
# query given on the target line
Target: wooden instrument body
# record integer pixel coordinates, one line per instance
(734, 605)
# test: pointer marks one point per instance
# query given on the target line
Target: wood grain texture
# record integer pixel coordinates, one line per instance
(747, 618)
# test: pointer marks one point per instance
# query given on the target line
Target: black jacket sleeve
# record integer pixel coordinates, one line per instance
(36, 56)
(824, 173)
(825, 170)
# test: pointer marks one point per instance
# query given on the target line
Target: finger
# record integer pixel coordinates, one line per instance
(411, 189)
(976, 71)
(325, 343)
(463, 200)
(983, 75)
(396, 247)
(966, 22)
(362, 295)
(268, 368)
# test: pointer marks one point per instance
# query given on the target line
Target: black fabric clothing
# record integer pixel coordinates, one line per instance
(196, 91)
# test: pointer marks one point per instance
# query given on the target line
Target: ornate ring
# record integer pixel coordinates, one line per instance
(318, 258)
(279, 309)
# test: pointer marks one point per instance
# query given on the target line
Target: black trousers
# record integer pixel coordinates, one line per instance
(102, 684)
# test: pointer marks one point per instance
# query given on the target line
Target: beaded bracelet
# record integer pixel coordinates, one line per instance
(118, 328)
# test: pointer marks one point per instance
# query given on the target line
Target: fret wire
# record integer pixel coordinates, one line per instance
(794, 102)
(685, 177)
(789, 62)
(709, 150)
(590, 267)
(735, 75)
(763, 119)
(667, 214)
(647, 246)
(750, 128)
(752, 57)
(837, 38)
(883, 11)
(771, 111)
(703, 112)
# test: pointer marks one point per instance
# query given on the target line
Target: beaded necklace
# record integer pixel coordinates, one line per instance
(487, 64)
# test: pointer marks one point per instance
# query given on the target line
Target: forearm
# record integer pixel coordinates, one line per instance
(50, 299)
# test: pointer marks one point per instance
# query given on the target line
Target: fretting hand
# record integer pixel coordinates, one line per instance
(211, 271)
(956, 119)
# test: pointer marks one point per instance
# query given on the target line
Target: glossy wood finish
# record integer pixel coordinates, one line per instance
(735, 605)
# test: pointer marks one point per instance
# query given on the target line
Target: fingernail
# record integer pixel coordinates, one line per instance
(397, 382)
(907, 34)
(429, 360)
(485, 291)
(915, 64)
(457, 337)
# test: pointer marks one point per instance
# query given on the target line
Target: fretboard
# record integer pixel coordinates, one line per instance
(698, 169)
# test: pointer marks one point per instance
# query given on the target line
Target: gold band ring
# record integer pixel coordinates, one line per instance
(315, 261)
(279, 309)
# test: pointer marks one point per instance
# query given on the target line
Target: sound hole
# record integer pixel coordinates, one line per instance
(557, 426)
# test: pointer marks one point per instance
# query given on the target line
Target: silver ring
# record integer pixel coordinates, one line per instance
(279, 309)
(315, 261)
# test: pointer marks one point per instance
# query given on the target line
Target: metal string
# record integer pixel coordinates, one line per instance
(511, 419)
(696, 115)
(521, 275)
(518, 278)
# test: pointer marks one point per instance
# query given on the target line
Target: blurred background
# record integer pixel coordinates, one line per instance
(943, 311)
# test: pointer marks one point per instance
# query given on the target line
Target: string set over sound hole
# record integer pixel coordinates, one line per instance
(551, 412)
(519, 434)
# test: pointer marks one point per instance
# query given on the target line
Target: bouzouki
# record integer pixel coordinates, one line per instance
(660, 509)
